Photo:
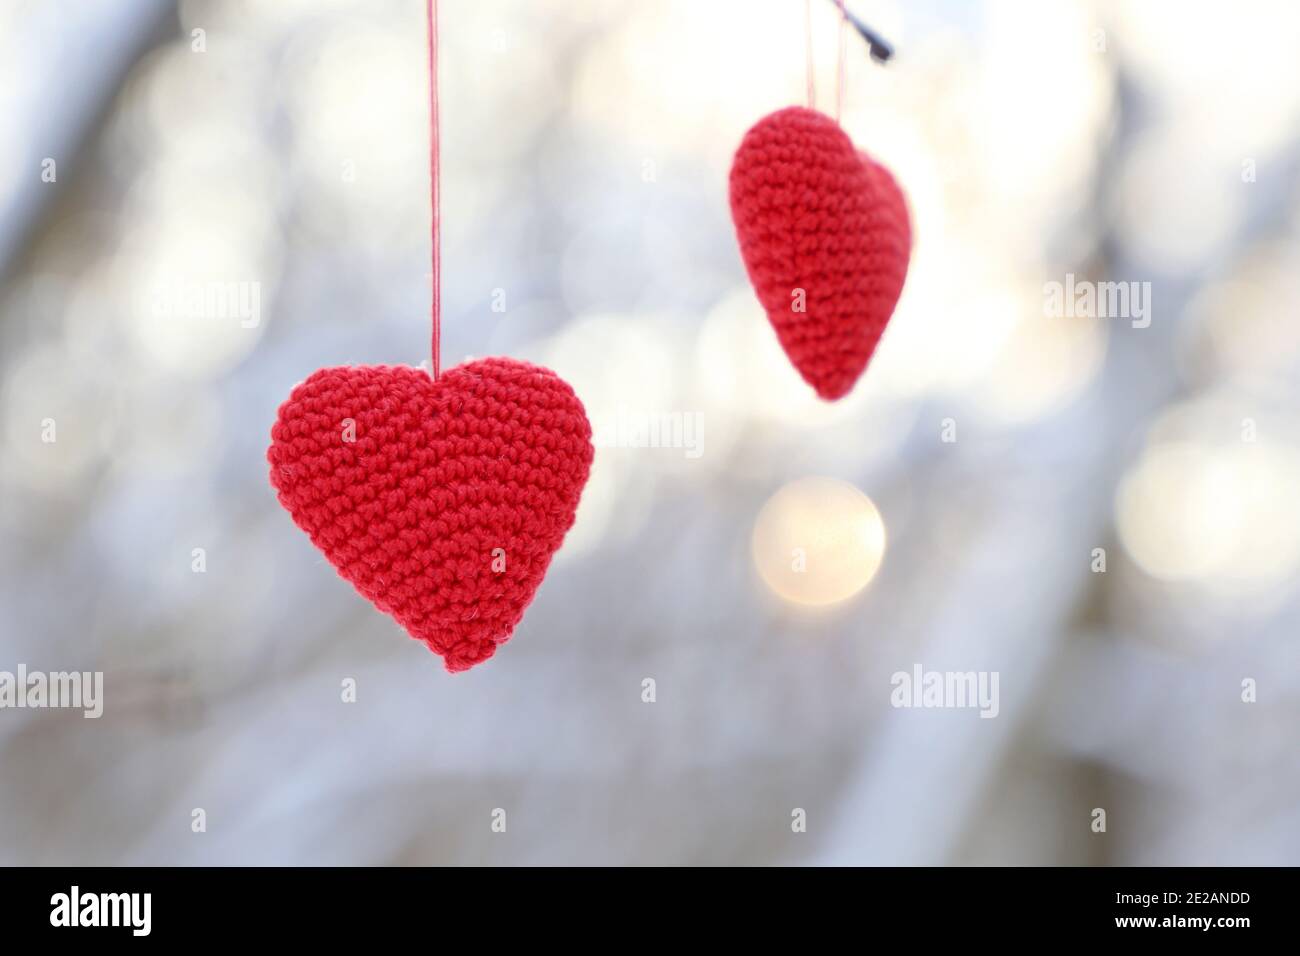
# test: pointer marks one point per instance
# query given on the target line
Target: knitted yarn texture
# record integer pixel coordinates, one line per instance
(813, 214)
(441, 502)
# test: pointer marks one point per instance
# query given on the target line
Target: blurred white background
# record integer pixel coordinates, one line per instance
(585, 152)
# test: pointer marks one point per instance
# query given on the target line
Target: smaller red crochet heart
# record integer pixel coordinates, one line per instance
(812, 213)
(442, 502)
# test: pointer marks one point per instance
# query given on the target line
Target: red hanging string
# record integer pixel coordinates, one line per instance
(839, 61)
(431, 16)
(808, 54)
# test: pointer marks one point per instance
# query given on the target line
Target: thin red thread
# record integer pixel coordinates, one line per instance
(435, 306)
(808, 53)
(839, 61)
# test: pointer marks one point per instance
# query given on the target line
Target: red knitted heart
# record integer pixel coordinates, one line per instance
(442, 502)
(814, 214)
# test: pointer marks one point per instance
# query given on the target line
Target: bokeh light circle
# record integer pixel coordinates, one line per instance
(818, 541)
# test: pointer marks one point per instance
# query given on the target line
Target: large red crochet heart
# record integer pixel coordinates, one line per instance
(442, 502)
(824, 227)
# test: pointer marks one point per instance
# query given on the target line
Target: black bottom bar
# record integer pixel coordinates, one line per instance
(337, 905)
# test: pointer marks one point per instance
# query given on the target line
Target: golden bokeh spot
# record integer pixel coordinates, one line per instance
(818, 541)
